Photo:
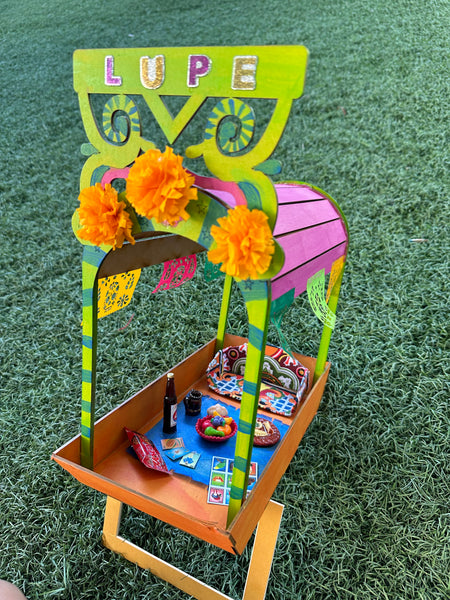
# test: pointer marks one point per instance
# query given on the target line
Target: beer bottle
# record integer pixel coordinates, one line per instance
(170, 406)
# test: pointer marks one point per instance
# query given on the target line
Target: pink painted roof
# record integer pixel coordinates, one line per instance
(311, 232)
(309, 228)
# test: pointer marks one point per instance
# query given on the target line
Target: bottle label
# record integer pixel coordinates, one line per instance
(173, 415)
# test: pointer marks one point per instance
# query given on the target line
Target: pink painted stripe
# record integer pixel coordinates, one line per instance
(232, 195)
(226, 198)
(298, 278)
(115, 174)
(291, 192)
(227, 191)
(302, 246)
(298, 216)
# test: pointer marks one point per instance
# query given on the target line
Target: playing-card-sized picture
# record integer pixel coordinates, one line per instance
(190, 460)
(176, 453)
(220, 480)
(169, 443)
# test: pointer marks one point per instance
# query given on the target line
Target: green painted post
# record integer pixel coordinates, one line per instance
(226, 295)
(92, 258)
(257, 300)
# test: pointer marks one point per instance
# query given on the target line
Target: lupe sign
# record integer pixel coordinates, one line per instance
(260, 71)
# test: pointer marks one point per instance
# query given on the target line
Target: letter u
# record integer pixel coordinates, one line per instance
(152, 71)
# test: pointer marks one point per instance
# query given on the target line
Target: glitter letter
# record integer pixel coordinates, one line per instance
(244, 73)
(199, 65)
(152, 71)
(110, 78)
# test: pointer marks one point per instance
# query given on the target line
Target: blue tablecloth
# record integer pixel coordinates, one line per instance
(192, 441)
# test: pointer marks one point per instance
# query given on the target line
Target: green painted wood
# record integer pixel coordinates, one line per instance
(92, 258)
(221, 328)
(279, 70)
(231, 73)
(257, 299)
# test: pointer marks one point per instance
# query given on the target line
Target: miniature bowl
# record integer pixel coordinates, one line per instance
(214, 438)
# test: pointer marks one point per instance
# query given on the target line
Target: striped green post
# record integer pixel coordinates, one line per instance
(224, 312)
(257, 298)
(92, 258)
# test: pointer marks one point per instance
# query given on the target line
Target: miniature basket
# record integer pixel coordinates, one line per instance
(214, 438)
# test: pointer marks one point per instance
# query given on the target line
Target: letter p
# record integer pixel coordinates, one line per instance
(199, 65)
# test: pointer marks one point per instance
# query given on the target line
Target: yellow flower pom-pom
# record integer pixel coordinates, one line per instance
(158, 187)
(103, 218)
(244, 243)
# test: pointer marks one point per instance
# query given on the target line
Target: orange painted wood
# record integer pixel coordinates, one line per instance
(244, 523)
(258, 571)
(144, 409)
(175, 499)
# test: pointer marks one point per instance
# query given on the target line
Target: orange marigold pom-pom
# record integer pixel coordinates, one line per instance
(159, 187)
(103, 218)
(244, 243)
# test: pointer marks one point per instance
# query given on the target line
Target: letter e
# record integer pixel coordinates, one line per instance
(244, 73)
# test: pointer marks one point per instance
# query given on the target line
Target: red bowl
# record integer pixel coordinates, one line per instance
(214, 438)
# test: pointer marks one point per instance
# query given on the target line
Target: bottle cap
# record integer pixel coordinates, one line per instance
(169, 375)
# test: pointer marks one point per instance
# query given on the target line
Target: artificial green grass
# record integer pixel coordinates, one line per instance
(367, 495)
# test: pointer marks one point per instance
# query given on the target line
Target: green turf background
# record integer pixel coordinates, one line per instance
(367, 495)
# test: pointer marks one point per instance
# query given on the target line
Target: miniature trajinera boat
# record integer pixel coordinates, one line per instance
(274, 241)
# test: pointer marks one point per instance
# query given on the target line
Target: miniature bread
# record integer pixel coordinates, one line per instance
(218, 408)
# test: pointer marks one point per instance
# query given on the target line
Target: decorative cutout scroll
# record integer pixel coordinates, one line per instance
(232, 122)
(316, 296)
(198, 73)
(176, 272)
(116, 125)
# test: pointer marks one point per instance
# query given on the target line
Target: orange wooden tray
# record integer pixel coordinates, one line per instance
(178, 500)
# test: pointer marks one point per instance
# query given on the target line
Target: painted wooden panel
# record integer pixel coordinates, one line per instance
(292, 217)
(178, 500)
(298, 278)
(226, 191)
(302, 246)
(207, 70)
(309, 227)
(290, 192)
(298, 206)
